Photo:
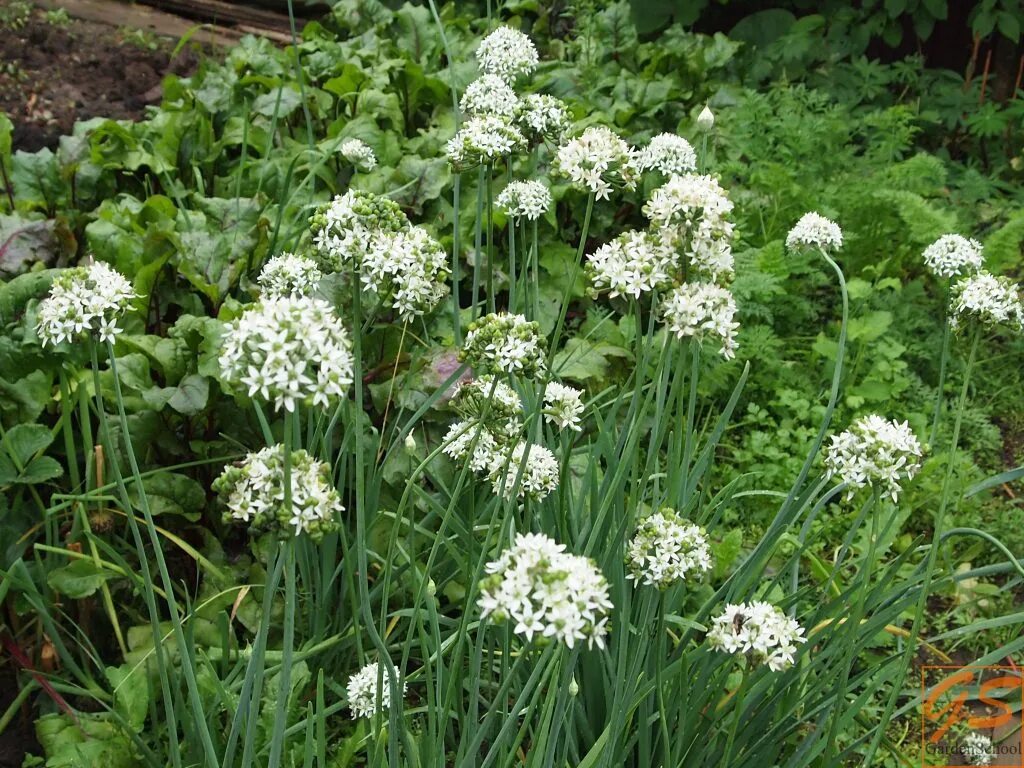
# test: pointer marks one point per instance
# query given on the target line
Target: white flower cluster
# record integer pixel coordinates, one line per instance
(358, 153)
(977, 748)
(362, 690)
(288, 274)
(529, 199)
(596, 160)
(667, 549)
(815, 231)
(472, 434)
(342, 230)
(691, 212)
(508, 53)
(254, 492)
(489, 95)
(543, 117)
(547, 593)
(482, 140)
(632, 264)
(409, 266)
(671, 154)
(987, 299)
(564, 406)
(288, 350)
(874, 450)
(503, 343)
(84, 300)
(953, 255)
(703, 310)
(760, 630)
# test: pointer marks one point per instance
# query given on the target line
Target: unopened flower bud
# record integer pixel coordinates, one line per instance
(431, 588)
(574, 687)
(410, 443)
(706, 119)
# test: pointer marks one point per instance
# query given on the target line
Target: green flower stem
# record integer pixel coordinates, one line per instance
(534, 271)
(556, 336)
(691, 426)
(849, 652)
(284, 676)
(943, 360)
(660, 659)
(149, 596)
(477, 243)
(456, 253)
(512, 266)
(491, 300)
(933, 551)
(737, 706)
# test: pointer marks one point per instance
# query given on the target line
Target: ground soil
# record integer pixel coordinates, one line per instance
(52, 75)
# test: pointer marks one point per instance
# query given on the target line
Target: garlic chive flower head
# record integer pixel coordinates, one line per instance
(288, 275)
(407, 267)
(503, 343)
(539, 473)
(977, 748)
(759, 630)
(874, 451)
(702, 311)
(507, 53)
(563, 406)
(362, 690)
(672, 155)
(359, 154)
(666, 549)
(543, 117)
(692, 209)
(987, 299)
(815, 231)
(254, 493)
(596, 160)
(529, 199)
(342, 229)
(289, 350)
(482, 140)
(953, 255)
(632, 264)
(489, 95)
(487, 398)
(469, 440)
(546, 593)
(84, 301)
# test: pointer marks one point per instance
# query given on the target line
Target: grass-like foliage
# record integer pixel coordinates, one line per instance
(413, 409)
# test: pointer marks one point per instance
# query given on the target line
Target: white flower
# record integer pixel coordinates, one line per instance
(484, 139)
(596, 160)
(703, 310)
(529, 199)
(564, 406)
(953, 255)
(489, 95)
(668, 153)
(632, 264)
(342, 230)
(359, 154)
(462, 436)
(706, 119)
(409, 267)
(977, 748)
(288, 350)
(539, 475)
(874, 450)
(503, 343)
(543, 117)
(988, 299)
(666, 549)
(759, 630)
(508, 53)
(84, 301)
(254, 493)
(362, 690)
(547, 593)
(691, 212)
(815, 231)
(288, 274)
(487, 398)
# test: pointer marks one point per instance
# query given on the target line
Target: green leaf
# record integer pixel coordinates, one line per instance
(169, 493)
(24, 242)
(1009, 26)
(18, 455)
(870, 326)
(581, 359)
(131, 693)
(78, 579)
(36, 181)
(92, 740)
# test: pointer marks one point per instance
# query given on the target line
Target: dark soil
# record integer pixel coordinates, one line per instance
(52, 75)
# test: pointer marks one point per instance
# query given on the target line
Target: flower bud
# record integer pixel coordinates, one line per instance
(574, 687)
(410, 443)
(431, 588)
(706, 119)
